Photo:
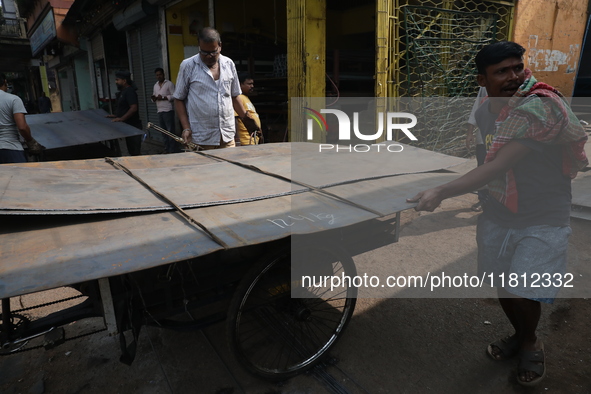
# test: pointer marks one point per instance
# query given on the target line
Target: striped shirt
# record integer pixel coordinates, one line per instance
(209, 104)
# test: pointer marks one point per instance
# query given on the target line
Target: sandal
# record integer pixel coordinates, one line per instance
(533, 361)
(509, 347)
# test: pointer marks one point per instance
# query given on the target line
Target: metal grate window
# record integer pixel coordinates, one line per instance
(429, 49)
(428, 37)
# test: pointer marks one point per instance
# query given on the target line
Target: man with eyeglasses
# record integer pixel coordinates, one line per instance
(206, 95)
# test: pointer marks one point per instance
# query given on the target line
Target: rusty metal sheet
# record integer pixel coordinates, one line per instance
(131, 162)
(61, 191)
(580, 213)
(40, 253)
(581, 189)
(45, 258)
(54, 189)
(388, 195)
(62, 129)
(329, 168)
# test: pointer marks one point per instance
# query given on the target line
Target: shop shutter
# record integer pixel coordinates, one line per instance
(135, 66)
(145, 56)
(151, 59)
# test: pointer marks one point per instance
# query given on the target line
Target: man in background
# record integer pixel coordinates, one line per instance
(13, 123)
(126, 110)
(162, 96)
(44, 104)
(247, 136)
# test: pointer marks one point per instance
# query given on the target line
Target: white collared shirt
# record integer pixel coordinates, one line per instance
(166, 90)
(209, 104)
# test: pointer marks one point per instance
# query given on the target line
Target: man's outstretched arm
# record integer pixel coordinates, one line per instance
(506, 158)
(181, 111)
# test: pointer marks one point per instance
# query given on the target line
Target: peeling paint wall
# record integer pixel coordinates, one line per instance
(552, 32)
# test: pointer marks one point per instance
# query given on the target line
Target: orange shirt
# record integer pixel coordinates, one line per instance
(243, 135)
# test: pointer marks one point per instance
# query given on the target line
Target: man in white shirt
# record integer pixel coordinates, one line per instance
(162, 96)
(206, 95)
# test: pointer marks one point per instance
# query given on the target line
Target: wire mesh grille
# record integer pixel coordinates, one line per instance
(432, 46)
(441, 46)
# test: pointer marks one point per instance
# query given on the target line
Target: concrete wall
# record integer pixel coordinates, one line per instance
(552, 32)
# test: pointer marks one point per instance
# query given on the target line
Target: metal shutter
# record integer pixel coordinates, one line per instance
(135, 66)
(146, 55)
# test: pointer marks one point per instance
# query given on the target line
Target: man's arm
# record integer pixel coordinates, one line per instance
(248, 119)
(505, 159)
(238, 107)
(181, 93)
(132, 110)
(153, 97)
(35, 148)
(170, 91)
(181, 110)
(22, 126)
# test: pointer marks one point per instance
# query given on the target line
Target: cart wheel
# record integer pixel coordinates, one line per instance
(275, 336)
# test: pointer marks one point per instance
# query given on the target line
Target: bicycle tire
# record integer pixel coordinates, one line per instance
(275, 336)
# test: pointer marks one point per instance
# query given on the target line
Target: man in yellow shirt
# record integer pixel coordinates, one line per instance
(247, 135)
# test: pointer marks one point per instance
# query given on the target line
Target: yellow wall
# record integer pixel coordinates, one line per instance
(44, 81)
(183, 15)
(552, 33)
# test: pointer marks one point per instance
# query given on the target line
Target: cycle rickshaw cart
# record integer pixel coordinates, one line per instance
(181, 241)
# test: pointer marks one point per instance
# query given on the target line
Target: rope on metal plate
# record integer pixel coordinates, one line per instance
(180, 210)
(312, 188)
